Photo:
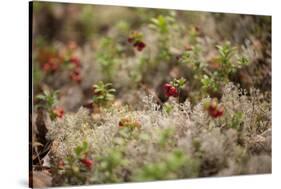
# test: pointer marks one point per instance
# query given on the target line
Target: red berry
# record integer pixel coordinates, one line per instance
(220, 111)
(75, 77)
(167, 86)
(46, 67)
(59, 112)
(75, 60)
(87, 162)
(54, 66)
(213, 113)
(53, 63)
(214, 109)
(130, 39)
(173, 92)
(141, 45)
(170, 90)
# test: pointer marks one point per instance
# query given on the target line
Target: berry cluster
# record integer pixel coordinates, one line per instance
(129, 123)
(135, 38)
(170, 90)
(75, 72)
(214, 109)
(51, 65)
(88, 163)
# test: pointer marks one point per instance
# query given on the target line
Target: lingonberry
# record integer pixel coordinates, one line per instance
(170, 90)
(75, 71)
(167, 85)
(213, 113)
(220, 111)
(46, 67)
(214, 109)
(75, 76)
(136, 39)
(87, 162)
(58, 112)
(51, 65)
(54, 66)
(75, 61)
(130, 39)
(140, 46)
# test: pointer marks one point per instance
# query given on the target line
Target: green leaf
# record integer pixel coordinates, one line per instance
(41, 97)
(111, 90)
(243, 60)
(78, 150)
(85, 146)
(108, 84)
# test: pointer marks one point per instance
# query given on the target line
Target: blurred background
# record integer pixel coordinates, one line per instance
(77, 45)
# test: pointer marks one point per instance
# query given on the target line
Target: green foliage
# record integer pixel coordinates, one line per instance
(103, 93)
(48, 101)
(86, 19)
(192, 59)
(170, 167)
(193, 35)
(179, 83)
(108, 165)
(209, 83)
(147, 139)
(243, 61)
(236, 121)
(111, 161)
(227, 66)
(72, 170)
(122, 26)
(165, 137)
(163, 25)
(220, 77)
(213, 79)
(225, 53)
(81, 150)
(167, 108)
(136, 36)
(37, 75)
(107, 57)
(184, 144)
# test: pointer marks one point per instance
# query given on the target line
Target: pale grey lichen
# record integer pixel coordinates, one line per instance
(220, 149)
